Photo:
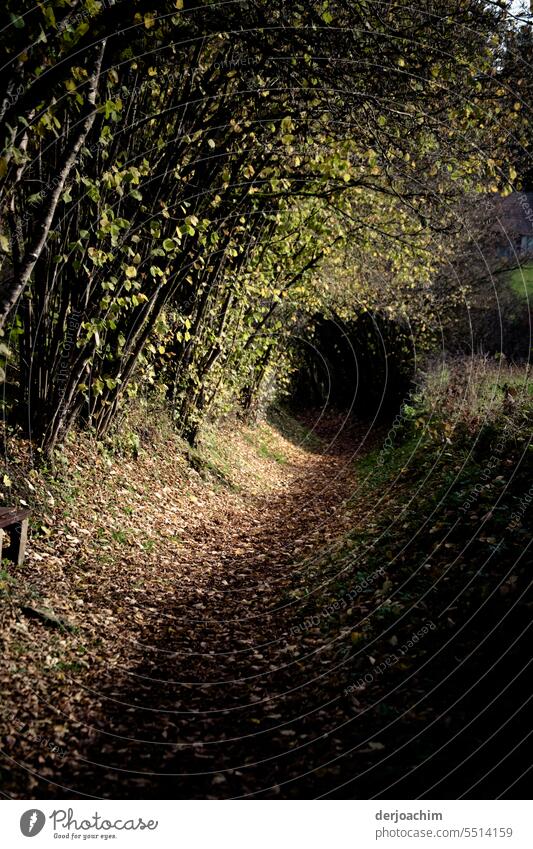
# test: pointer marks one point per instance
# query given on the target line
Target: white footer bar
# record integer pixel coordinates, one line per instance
(267, 824)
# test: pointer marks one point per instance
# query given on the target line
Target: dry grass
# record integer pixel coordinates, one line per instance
(476, 391)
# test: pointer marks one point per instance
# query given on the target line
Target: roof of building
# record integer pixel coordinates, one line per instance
(516, 214)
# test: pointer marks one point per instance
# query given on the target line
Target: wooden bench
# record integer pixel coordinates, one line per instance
(15, 521)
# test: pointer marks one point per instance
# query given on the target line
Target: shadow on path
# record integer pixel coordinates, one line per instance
(242, 684)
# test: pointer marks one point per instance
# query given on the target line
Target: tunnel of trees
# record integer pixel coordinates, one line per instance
(365, 366)
(266, 398)
(185, 187)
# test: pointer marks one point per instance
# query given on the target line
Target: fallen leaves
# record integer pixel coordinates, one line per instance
(214, 635)
(140, 563)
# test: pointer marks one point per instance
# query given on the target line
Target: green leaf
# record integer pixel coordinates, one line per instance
(17, 21)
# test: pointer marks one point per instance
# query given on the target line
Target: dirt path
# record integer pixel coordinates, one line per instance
(217, 653)
(228, 689)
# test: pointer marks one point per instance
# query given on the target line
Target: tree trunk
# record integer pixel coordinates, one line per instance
(14, 288)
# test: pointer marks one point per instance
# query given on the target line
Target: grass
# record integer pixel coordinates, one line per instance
(521, 281)
(213, 457)
(270, 453)
(293, 430)
(120, 536)
(449, 478)
(465, 391)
